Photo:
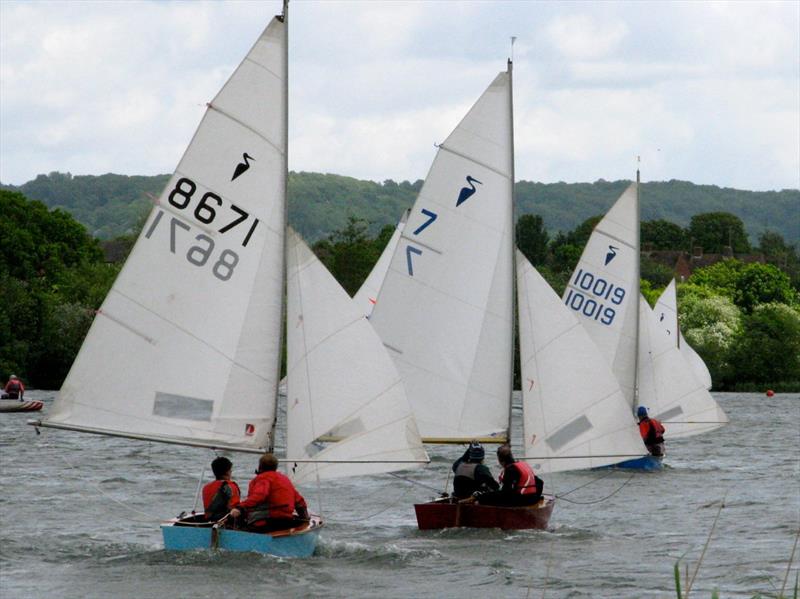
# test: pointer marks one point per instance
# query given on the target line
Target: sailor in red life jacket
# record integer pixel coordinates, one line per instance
(14, 388)
(221, 495)
(271, 500)
(652, 432)
(519, 484)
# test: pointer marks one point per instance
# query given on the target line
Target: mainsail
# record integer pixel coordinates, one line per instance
(666, 310)
(603, 290)
(186, 346)
(445, 307)
(367, 294)
(342, 385)
(574, 413)
(668, 386)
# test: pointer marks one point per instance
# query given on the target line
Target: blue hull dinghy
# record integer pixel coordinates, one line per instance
(193, 533)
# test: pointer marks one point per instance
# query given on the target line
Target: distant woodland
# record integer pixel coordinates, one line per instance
(319, 204)
(740, 311)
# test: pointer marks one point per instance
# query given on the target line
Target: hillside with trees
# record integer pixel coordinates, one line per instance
(742, 317)
(319, 204)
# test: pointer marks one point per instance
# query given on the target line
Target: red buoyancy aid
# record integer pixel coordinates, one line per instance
(271, 495)
(527, 478)
(14, 386)
(645, 427)
(211, 489)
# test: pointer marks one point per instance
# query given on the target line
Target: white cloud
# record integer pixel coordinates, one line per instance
(584, 37)
(703, 91)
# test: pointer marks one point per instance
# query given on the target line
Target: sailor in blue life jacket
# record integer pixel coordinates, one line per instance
(14, 388)
(471, 475)
(520, 485)
(652, 432)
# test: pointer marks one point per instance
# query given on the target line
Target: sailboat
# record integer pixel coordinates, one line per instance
(186, 348)
(575, 414)
(666, 310)
(603, 292)
(445, 307)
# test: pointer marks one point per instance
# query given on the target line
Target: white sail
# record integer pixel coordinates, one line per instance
(186, 345)
(575, 415)
(445, 308)
(367, 294)
(666, 310)
(668, 387)
(603, 289)
(342, 385)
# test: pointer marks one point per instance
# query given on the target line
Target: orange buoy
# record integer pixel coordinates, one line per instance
(770, 393)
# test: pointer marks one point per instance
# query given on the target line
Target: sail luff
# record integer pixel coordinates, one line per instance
(284, 224)
(637, 290)
(513, 234)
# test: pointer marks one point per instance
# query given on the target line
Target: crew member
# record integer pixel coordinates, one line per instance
(471, 475)
(652, 432)
(520, 485)
(272, 500)
(221, 495)
(14, 388)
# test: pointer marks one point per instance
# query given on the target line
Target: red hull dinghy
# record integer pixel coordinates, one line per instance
(443, 513)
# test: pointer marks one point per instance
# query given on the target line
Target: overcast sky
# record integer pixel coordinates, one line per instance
(704, 91)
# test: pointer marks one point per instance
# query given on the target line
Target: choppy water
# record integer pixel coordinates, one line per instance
(80, 518)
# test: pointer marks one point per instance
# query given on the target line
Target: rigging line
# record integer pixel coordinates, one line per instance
(609, 473)
(379, 512)
(150, 517)
(630, 478)
(416, 482)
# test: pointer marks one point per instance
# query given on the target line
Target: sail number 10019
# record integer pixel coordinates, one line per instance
(588, 294)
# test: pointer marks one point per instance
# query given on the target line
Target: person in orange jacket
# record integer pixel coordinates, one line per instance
(272, 500)
(14, 388)
(221, 495)
(652, 432)
(520, 485)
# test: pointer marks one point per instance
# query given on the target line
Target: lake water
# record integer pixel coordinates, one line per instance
(80, 517)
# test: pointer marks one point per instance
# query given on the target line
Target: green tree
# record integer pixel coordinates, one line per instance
(712, 326)
(720, 277)
(664, 235)
(349, 254)
(532, 238)
(714, 230)
(654, 272)
(769, 350)
(762, 284)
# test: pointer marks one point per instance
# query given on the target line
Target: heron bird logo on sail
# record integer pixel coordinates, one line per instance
(612, 253)
(467, 192)
(242, 167)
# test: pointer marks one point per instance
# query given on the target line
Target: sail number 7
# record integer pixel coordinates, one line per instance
(198, 254)
(206, 208)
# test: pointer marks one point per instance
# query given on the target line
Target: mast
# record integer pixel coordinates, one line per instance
(636, 285)
(285, 19)
(513, 233)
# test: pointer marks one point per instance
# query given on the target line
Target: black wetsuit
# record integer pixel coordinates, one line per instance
(471, 477)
